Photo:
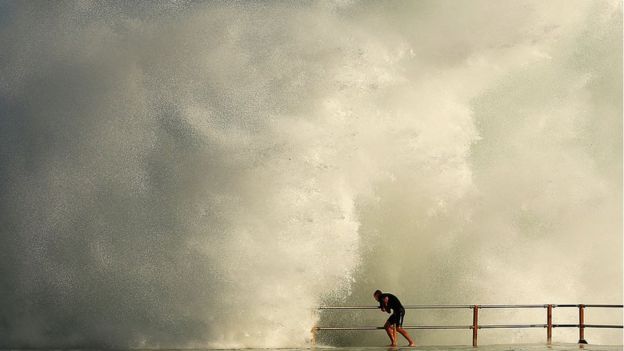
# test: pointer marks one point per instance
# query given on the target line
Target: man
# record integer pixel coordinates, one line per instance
(389, 302)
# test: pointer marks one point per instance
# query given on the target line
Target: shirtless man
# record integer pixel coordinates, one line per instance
(389, 302)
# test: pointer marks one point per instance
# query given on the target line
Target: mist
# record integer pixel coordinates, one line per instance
(203, 174)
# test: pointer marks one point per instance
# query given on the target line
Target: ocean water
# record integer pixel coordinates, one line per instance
(502, 347)
(506, 347)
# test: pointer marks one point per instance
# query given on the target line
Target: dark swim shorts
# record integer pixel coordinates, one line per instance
(397, 318)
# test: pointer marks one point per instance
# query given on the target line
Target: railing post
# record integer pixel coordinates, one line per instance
(550, 325)
(582, 325)
(475, 324)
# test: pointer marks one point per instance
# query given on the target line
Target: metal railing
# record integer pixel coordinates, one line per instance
(475, 326)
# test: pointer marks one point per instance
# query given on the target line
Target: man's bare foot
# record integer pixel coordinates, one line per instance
(411, 344)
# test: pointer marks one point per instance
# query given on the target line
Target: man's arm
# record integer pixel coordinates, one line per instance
(384, 304)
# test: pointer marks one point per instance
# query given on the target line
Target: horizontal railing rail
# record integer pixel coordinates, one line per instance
(492, 326)
(475, 326)
(432, 307)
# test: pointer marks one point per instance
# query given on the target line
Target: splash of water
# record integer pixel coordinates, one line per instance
(182, 174)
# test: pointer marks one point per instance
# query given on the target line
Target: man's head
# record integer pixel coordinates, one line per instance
(376, 294)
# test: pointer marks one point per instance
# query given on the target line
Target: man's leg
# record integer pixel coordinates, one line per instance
(399, 325)
(391, 333)
(394, 329)
(405, 334)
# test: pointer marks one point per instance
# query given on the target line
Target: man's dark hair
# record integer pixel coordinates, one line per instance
(377, 292)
